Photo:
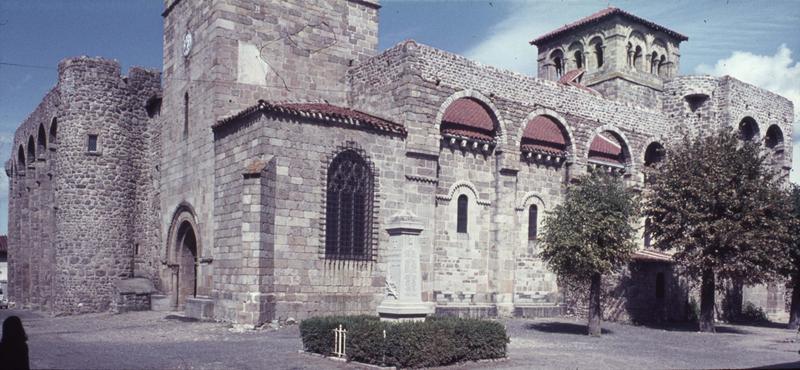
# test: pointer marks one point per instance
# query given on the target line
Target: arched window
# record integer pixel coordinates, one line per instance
(31, 150)
(748, 129)
(774, 139)
(461, 222)
(654, 154)
(557, 57)
(533, 217)
(53, 131)
(637, 58)
(21, 159)
(41, 140)
(185, 115)
(662, 66)
(348, 217)
(578, 59)
(598, 53)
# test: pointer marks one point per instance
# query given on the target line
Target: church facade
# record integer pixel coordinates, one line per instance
(252, 178)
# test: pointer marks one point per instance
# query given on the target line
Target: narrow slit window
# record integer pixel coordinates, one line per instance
(91, 143)
(463, 204)
(185, 115)
(533, 214)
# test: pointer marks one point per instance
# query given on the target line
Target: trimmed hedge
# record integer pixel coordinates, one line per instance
(434, 342)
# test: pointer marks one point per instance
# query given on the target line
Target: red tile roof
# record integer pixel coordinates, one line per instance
(571, 76)
(467, 133)
(603, 14)
(469, 112)
(543, 149)
(651, 255)
(320, 111)
(605, 149)
(545, 129)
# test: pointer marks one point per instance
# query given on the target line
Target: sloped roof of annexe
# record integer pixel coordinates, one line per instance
(544, 128)
(319, 111)
(651, 255)
(470, 113)
(599, 16)
(605, 149)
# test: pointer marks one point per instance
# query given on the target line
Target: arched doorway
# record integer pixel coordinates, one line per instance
(186, 263)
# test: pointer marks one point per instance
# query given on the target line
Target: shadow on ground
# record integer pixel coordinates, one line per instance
(563, 328)
(693, 327)
(180, 318)
(785, 365)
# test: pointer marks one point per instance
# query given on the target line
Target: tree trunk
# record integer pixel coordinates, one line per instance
(594, 307)
(733, 300)
(707, 302)
(794, 311)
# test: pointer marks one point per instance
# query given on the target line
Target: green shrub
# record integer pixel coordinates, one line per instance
(752, 313)
(317, 332)
(434, 342)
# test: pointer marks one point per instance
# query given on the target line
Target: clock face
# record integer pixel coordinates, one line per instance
(187, 44)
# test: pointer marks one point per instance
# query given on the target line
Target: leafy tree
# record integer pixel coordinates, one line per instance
(590, 234)
(717, 204)
(793, 267)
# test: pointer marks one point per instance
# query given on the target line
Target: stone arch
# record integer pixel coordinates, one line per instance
(653, 154)
(577, 54)
(774, 137)
(748, 129)
(54, 131)
(620, 136)
(529, 198)
(31, 150)
(500, 130)
(183, 253)
(41, 139)
(461, 187)
(566, 130)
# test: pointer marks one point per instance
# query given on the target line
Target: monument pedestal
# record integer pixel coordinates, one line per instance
(403, 296)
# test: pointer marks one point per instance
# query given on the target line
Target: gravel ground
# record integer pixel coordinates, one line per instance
(157, 340)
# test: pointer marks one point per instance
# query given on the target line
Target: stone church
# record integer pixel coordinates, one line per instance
(252, 178)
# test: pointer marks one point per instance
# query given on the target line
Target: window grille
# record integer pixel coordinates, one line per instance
(461, 222)
(348, 216)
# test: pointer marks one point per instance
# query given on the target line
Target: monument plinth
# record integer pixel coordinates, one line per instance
(402, 300)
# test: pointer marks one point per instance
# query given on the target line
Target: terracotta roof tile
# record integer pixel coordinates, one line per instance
(651, 255)
(467, 133)
(319, 111)
(544, 129)
(469, 112)
(600, 15)
(605, 149)
(543, 149)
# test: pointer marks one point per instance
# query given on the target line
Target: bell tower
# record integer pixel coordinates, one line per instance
(624, 57)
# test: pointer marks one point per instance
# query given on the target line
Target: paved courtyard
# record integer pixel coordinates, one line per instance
(146, 340)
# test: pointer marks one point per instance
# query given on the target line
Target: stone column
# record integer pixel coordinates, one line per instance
(403, 296)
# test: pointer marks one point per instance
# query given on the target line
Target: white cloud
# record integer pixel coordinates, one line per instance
(506, 45)
(778, 73)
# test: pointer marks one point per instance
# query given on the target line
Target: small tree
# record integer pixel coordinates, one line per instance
(793, 267)
(590, 234)
(724, 213)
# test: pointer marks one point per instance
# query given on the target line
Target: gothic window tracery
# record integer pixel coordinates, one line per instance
(349, 202)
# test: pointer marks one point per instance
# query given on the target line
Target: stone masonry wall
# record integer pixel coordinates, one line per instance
(242, 52)
(31, 229)
(303, 282)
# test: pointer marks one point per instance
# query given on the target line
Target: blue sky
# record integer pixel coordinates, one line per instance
(756, 41)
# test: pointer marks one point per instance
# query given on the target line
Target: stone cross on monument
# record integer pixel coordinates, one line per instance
(402, 300)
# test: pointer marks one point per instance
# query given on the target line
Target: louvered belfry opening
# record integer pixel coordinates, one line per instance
(349, 208)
